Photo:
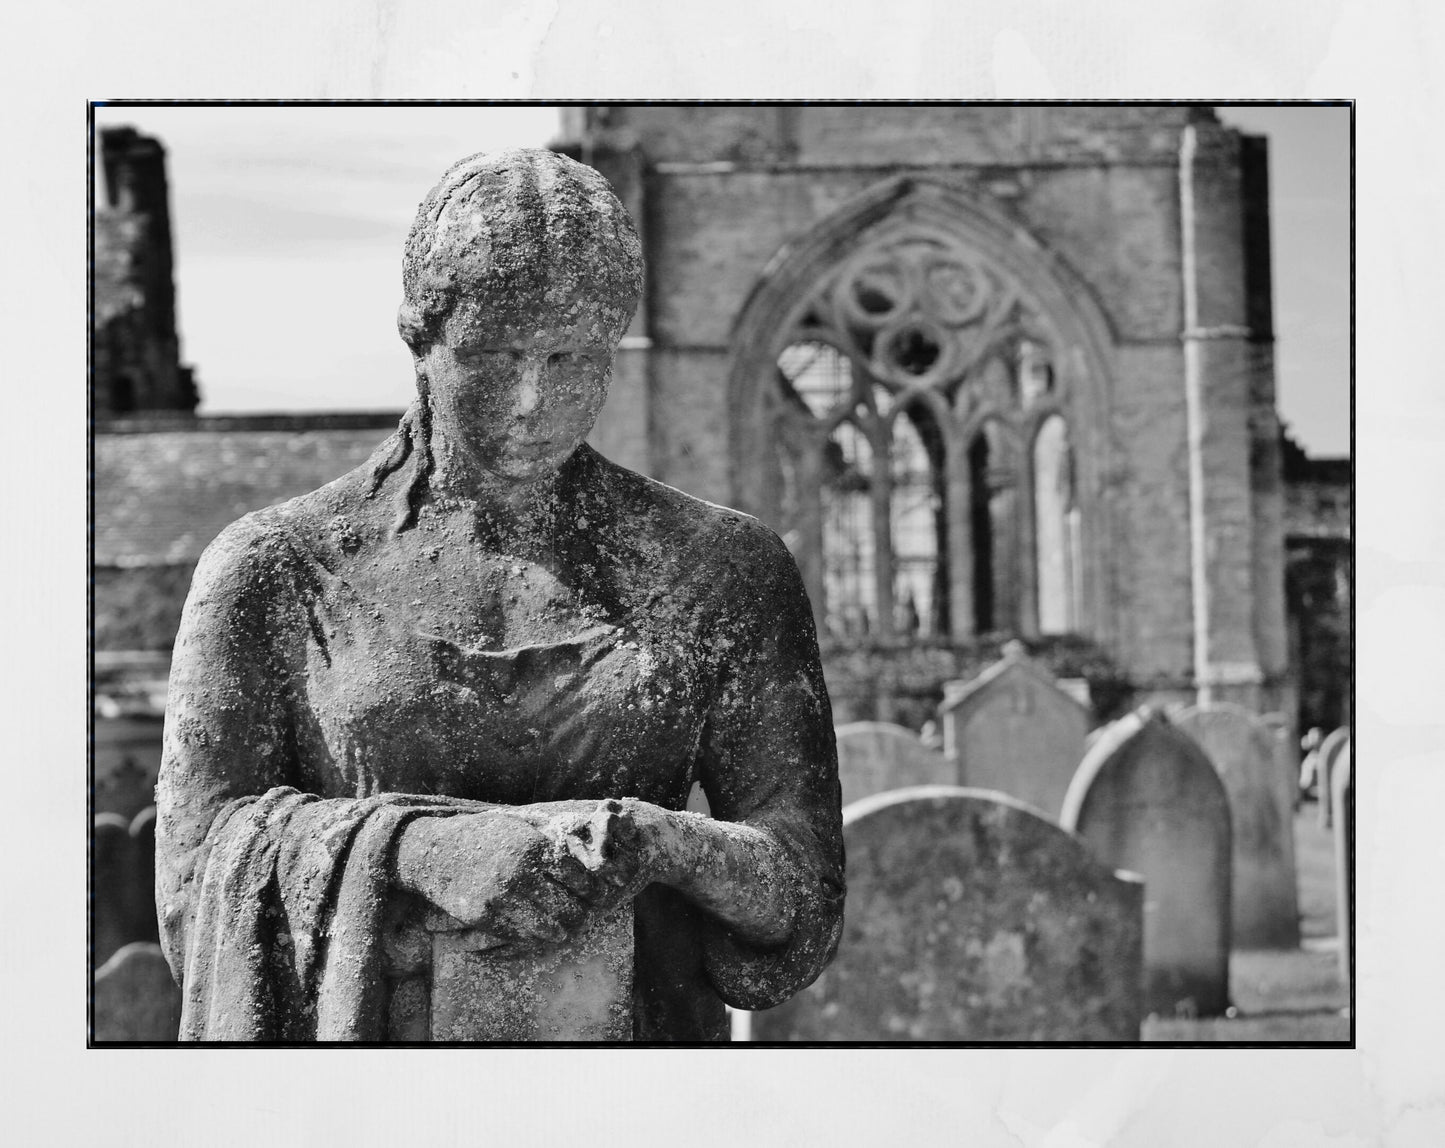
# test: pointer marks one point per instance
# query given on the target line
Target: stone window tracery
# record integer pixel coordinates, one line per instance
(921, 425)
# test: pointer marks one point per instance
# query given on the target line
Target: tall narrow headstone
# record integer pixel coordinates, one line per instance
(875, 756)
(1343, 796)
(972, 918)
(110, 889)
(1012, 729)
(1244, 750)
(1147, 799)
(135, 997)
(142, 908)
(1329, 753)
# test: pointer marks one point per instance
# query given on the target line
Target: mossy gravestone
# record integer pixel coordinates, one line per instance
(136, 998)
(1147, 799)
(972, 918)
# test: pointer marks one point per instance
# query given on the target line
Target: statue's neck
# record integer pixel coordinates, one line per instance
(504, 507)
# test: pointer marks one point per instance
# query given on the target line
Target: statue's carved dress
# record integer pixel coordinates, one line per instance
(335, 679)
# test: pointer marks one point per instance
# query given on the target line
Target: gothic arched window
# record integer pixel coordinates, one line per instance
(922, 448)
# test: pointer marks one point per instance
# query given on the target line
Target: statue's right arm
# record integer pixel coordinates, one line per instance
(228, 733)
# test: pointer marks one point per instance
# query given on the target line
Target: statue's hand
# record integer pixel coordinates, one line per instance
(525, 886)
(619, 843)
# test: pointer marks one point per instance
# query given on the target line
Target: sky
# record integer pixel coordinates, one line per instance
(288, 225)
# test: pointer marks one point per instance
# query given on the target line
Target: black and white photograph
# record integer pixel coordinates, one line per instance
(514, 648)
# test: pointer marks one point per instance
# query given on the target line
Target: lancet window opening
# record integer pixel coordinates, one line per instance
(922, 435)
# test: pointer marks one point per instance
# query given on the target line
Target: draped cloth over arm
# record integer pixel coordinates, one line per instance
(285, 942)
(270, 900)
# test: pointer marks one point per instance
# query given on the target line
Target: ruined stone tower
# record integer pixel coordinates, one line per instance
(135, 363)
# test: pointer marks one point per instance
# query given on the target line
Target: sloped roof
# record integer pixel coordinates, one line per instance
(162, 495)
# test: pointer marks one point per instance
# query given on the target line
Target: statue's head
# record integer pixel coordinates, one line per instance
(522, 272)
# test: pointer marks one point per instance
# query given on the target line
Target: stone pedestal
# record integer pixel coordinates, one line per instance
(578, 991)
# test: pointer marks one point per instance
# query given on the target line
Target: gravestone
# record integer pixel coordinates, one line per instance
(1286, 752)
(1012, 729)
(972, 918)
(143, 920)
(1147, 799)
(875, 756)
(1329, 753)
(110, 890)
(122, 883)
(1265, 895)
(135, 997)
(1343, 798)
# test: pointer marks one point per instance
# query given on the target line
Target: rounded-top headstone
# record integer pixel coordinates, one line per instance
(136, 999)
(875, 757)
(1342, 794)
(1265, 894)
(1147, 799)
(1329, 755)
(972, 917)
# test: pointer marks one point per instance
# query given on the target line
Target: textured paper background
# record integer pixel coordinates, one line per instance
(1382, 52)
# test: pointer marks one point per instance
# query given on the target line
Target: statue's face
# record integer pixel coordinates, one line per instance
(519, 397)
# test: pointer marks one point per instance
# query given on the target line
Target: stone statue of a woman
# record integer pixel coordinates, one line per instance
(479, 675)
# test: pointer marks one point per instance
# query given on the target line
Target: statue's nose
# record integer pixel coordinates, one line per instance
(529, 387)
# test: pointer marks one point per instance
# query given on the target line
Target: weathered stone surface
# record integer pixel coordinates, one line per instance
(493, 665)
(1328, 757)
(1342, 783)
(1245, 751)
(1014, 730)
(874, 757)
(579, 991)
(1147, 799)
(136, 998)
(972, 918)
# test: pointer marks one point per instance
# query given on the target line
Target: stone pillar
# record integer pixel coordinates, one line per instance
(960, 540)
(1219, 366)
(1266, 462)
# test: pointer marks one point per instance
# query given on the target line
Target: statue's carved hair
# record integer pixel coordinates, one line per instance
(512, 232)
(512, 236)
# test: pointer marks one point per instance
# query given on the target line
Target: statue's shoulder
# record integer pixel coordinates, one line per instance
(321, 524)
(713, 540)
(259, 546)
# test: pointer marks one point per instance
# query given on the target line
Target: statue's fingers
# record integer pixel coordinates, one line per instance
(575, 876)
(560, 906)
(527, 918)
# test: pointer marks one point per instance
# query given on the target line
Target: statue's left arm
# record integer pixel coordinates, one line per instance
(767, 866)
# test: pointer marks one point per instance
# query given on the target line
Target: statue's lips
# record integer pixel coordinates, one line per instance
(543, 446)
